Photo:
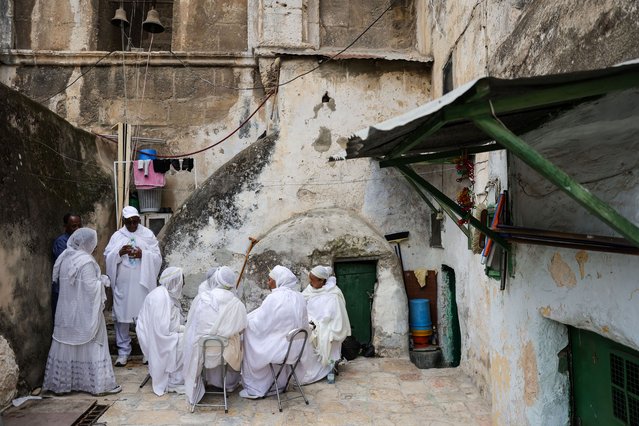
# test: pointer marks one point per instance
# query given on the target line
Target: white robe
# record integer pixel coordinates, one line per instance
(160, 333)
(265, 337)
(327, 310)
(79, 357)
(213, 312)
(131, 281)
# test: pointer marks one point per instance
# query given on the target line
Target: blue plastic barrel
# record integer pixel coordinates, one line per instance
(147, 154)
(419, 314)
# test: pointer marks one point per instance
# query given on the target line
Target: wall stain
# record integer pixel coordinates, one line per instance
(323, 141)
(528, 364)
(582, 258)
(561, 273)
(545, 311)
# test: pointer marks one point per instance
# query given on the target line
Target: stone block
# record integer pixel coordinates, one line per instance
(9, 376)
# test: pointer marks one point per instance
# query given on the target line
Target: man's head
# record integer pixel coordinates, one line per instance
(319, 275)
(131, 218)
(71, 222)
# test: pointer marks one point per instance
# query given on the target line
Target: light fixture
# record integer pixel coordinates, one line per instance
(152, 23)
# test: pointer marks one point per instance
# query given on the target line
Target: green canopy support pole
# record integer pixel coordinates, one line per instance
(432, 207)
(425, 158)
(431, 125)
(554, 174)
(444, 200)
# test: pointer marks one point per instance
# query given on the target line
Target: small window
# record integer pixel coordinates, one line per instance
(436, 230)
(624, 380)
(447, 75)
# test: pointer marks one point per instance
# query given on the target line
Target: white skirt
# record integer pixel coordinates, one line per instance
(84, 368)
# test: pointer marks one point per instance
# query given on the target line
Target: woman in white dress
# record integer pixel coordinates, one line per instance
(79, 357)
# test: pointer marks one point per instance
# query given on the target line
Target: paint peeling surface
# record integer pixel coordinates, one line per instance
(561, 272)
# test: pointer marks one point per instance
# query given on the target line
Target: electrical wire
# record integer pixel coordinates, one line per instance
(79, 77)
(242, 124)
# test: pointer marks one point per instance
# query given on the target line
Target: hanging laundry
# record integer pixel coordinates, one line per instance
(161, 166)
(144, 165)
(187, 164)
(147, 180)
(176, 164)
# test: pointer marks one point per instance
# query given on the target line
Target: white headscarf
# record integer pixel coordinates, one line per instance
(172, 278)
(322, 272)
(224, 278)
(325, 273)
(283, 277)
(130, 211)
(78, 252)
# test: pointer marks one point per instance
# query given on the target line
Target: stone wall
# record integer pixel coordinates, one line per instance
(50, 168)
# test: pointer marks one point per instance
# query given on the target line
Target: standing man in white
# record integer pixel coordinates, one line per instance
(133, 263)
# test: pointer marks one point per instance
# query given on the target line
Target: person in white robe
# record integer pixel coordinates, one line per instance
(160, 330)
(209, 283)
(265, 336)
(214, 312)
(329, 325)
(79, 357)
(133, 262)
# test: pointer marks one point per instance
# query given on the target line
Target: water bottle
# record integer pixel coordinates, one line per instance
(132, 261)
(331, 373)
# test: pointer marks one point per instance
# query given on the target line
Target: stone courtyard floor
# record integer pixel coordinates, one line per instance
(375, 391)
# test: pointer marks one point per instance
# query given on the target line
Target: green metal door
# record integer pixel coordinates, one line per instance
(357, 282)
(605, 378)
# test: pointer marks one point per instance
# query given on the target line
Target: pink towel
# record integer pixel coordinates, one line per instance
(153, 180)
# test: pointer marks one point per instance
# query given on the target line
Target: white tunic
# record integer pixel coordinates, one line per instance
(132, 279)
(265, 337)
(327, 310)
(213, 312)
(160, 334)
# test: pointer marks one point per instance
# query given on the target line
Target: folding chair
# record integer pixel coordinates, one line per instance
(291, 359)
(214, 345)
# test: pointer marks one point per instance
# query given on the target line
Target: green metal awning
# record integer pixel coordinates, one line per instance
(490, 114)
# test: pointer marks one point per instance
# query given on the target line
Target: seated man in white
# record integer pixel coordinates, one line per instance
(160, 332)
(329, 324)
(219, 312)
(265, 336)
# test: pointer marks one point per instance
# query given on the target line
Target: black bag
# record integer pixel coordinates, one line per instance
(350, 348)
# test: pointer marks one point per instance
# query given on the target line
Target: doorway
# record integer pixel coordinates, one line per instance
(450, 331)
(357, 282)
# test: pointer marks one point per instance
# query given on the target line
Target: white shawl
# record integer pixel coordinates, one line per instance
(159, 327)
(82, 296)
(151, 257)
(327, 310)
(214, 312)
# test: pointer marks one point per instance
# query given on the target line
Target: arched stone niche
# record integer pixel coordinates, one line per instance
(322, 237)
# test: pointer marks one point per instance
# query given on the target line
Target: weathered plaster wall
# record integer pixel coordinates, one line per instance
(291, 177)
(342, 21)
(50, 168)
(510, 339)
(210, 26)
